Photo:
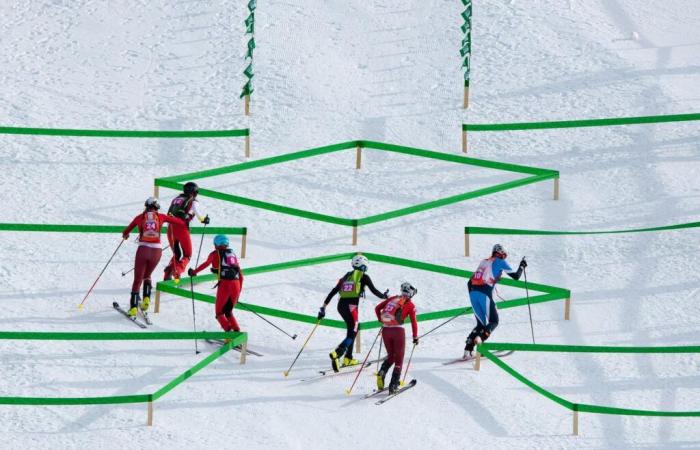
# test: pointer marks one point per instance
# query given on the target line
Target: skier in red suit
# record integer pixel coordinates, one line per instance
(185, 207)
(149, 252)
(392, 313)
(225, 265)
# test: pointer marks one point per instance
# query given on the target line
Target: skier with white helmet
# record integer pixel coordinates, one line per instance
(350, 288)
(392, 313)
(224, 264)
(149, 223)
(481, 285)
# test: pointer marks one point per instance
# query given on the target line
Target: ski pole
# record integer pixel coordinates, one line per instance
(80, 306)
(194, 315)
(441, 325)
(263, 318)
(529, 311)
(286, 372)
(349, 391)
(408, 366)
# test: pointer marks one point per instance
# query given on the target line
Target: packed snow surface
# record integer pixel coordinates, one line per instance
(328, 72)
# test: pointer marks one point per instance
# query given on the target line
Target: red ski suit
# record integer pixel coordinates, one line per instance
(391, 313)
(228, 291)
(179, 237)
(148, 255)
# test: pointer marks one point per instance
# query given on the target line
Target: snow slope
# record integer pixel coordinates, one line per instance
(327, 72)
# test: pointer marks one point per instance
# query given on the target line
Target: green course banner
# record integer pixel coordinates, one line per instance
(579, 123)
(125, 133)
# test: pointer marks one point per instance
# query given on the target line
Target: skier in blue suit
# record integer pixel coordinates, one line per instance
(481, 285)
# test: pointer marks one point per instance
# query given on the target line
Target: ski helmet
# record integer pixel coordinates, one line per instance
(152, 202)
(360, 262)
(499, 251)
(191, 188)
(408, 290)
(220, 241)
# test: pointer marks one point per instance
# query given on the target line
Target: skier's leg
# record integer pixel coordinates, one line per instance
(221, 300)
(352, 333)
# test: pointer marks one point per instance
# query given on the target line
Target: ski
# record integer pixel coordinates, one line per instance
(145, 316)
(375, 393)
(497, 353)
(132, 319)
(368, 363)
(410, 384)
(330, 373)
(236, 348)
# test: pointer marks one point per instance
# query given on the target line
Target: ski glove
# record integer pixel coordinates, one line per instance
(206, 220)
(125, 236)
(523, 263)
(191, 272)
(386, 294)
(321, 313)
(415, 341)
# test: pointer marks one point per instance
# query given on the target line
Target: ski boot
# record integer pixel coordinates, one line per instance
(394, 383)
(168, 273)
(146, 296)
(133, 303)
(132, 313)
(349, 361)
(381, 375)
(335, 364)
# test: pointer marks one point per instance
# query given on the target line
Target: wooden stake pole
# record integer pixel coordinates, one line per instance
(354, 235)
(466, 243)
(477, 363)
(156, 191)
(156, 309)
(464, 141)
(556, 188)
(567, 308)
(246, 102)
(150, 414)
(244, 350)
(358, 342)
(466, 97)
(575, 423)
(247, 146)
(244, 240)
(358, 158)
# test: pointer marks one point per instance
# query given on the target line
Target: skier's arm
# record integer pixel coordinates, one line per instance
(171, 219)
(378, 309)
(205, 264)
(198, 213)
(516, 275)
(366, 281)
(127, 230)
(414, 323)
(334, 291)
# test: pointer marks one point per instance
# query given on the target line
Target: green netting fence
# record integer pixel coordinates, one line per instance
(532, 175)
(248, 71)
(514, 231)
(485, 349)
(236, 339)
(466, 50)
(539, 293)
(60, 228)
(614, 121)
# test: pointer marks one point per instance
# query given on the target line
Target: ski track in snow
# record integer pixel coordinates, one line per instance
(328, 72)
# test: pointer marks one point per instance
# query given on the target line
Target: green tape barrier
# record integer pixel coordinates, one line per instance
(486, 348)
(580, 123)
(58, 228)
(237, 339)
(513, 231)
(547, 293)
(125, 133)
(115, 336)
(536, 175)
